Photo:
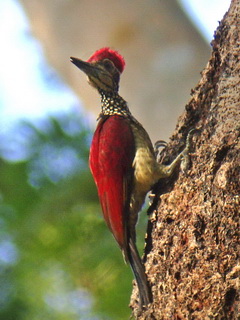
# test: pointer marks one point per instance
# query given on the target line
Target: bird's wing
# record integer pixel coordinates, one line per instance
(111, 157)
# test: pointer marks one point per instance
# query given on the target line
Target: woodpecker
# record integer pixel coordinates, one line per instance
(122, 160)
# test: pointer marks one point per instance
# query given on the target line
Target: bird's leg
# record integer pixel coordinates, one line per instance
(183, 158)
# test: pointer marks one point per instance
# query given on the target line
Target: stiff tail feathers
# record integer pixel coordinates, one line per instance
(139, 273)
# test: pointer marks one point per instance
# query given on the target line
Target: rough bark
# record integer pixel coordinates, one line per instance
(193, 236)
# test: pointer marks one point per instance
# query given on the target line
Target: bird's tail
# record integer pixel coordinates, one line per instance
(139, 273)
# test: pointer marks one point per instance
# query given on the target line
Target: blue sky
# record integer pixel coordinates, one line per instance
(22, 61)
(26, 91)
(205, 14)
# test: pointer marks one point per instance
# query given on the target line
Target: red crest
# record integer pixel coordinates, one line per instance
(107, 53)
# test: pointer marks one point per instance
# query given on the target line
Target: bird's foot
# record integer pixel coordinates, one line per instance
(165, 171)
(185, 154)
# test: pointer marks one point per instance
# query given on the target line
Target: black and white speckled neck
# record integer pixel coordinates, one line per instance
(113, 104)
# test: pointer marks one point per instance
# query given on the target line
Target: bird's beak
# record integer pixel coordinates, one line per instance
(97, 76)
(88, 68)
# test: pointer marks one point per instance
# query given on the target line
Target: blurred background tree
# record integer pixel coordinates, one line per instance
(57, 258)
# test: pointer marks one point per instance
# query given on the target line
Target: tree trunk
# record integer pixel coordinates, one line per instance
(192, 244)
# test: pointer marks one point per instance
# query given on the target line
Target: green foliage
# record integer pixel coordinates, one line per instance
(57, 258)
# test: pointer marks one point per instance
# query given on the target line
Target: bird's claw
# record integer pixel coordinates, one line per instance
(185, 162)
(157, 146)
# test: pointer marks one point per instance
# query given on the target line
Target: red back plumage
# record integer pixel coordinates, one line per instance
(111, 158)
(107, 53)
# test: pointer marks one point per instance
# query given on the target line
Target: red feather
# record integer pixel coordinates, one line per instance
(111, 157)
(107, 53)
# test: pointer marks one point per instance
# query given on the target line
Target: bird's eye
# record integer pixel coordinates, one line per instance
(108, 64)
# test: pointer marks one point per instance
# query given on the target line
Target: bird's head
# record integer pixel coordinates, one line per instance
(103, 69)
